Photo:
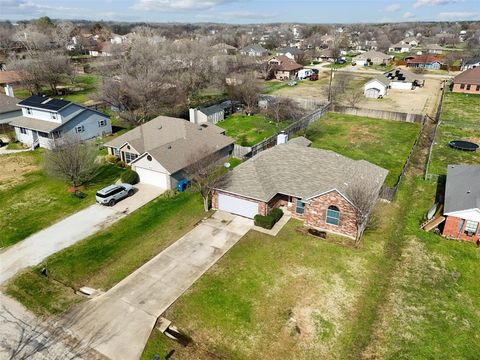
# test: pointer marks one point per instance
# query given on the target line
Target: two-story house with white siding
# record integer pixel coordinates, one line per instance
(45, 120)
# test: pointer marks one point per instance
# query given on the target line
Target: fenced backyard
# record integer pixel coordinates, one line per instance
(380, 114)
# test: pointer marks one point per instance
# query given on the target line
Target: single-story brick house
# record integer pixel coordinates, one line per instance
(462, 203)
(284, 67)
(162, 150)
(313, 184)
(371, 57)
(468, 82)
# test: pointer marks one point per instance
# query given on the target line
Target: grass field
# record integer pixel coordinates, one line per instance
(405, 294)
(250, 130)
(31, 200)
(382, 142)
(107, 257)
(460, 121)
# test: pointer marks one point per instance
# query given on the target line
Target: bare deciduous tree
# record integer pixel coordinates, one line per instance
(72, 160)
(247, 92)
(281, 109)
(353, 96)
(205, 173)
(363, 196)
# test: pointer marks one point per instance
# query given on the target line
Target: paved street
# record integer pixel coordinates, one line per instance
(68, 231)
(125, 315)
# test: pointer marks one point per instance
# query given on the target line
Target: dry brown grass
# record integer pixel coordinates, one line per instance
(14, 167)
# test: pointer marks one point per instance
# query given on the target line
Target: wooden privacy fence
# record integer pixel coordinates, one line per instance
(381, 114)
(297, 126)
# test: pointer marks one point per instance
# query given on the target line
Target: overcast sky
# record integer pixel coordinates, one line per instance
(244, 11)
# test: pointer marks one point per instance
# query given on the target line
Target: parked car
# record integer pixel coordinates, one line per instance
(313, 77)
(111, 194)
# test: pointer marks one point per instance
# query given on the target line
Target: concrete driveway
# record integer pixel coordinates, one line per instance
(125, 315)
(68, 231)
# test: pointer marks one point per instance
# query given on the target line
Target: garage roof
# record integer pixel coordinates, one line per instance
(462, 191)
(300, 171)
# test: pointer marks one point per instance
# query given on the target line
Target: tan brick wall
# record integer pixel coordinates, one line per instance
(473, 89)
(316, 212)
(450, 230)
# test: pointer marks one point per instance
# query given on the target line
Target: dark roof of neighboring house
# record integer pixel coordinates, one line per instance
(8, 104)
(470, 76)
(402, 75)
(300, 171)
(10, 77)
(173, 142)
(462, 191)
(471, 61)
(425, 59)
(44, 103)
(212, 109)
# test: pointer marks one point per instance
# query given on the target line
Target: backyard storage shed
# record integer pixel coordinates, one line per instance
(377, 87)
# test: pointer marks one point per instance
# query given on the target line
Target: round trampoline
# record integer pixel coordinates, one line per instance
(463, 145)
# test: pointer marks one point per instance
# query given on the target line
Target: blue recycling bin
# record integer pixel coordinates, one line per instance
(183, 184)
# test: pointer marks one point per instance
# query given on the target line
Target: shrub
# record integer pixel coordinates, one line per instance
(265, 222)
(130, 177)
(111, 159)
(276, 213)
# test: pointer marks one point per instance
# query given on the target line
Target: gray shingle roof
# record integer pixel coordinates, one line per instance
(8, 104)
(173, 142)
(300, 171)
(301, 140)
(462, 190)
(372, 54)
(35, 124)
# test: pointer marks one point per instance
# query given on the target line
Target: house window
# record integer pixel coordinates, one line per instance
(116, 151)
(102, 122)
(471, 227)
(129, 157)
(300, 207)
(23, 131)
(333, 215)
(79, 129)
(43, 134)
(468, 87)
(462, 86)
(478, 87)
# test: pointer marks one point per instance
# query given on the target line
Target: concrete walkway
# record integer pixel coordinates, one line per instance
(68, 231)
(126, 314)
(5, 151)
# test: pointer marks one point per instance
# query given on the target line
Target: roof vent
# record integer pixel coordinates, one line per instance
(169, 146)
(160, 127)
(468, 191)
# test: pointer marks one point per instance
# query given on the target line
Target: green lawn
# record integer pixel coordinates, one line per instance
(382, 142)
(250, 130)
(271, 86)
(105, 258)
(460, 121)
(36, 201)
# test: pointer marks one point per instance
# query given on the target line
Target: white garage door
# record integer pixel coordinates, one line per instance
(237, 206)
(372, 93)
(152, 177)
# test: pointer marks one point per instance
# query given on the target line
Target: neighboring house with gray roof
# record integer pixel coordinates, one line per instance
(162, 150)
(254, 50)
(371, 57)
(376, 87)
(313, 184)
(462, 203)
(44, 121)
(9, 109)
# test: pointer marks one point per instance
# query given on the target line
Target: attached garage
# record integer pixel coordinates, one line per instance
(153, 177)
(235, 205)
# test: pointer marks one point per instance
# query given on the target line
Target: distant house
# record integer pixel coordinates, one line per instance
(313, 184)
(462, 203)
(399, 48)
(427, 61)
(290, 52)
(162, 150)
(468, 82)
(45, 120)
(8, 109)
(100, 49)
(254, 50)
(371, 57)
(376, 87)
(432, 49)
(224, 48)
(404, 79)
(9, 77)
(470, 64)
(212, 114)
(284, 67)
